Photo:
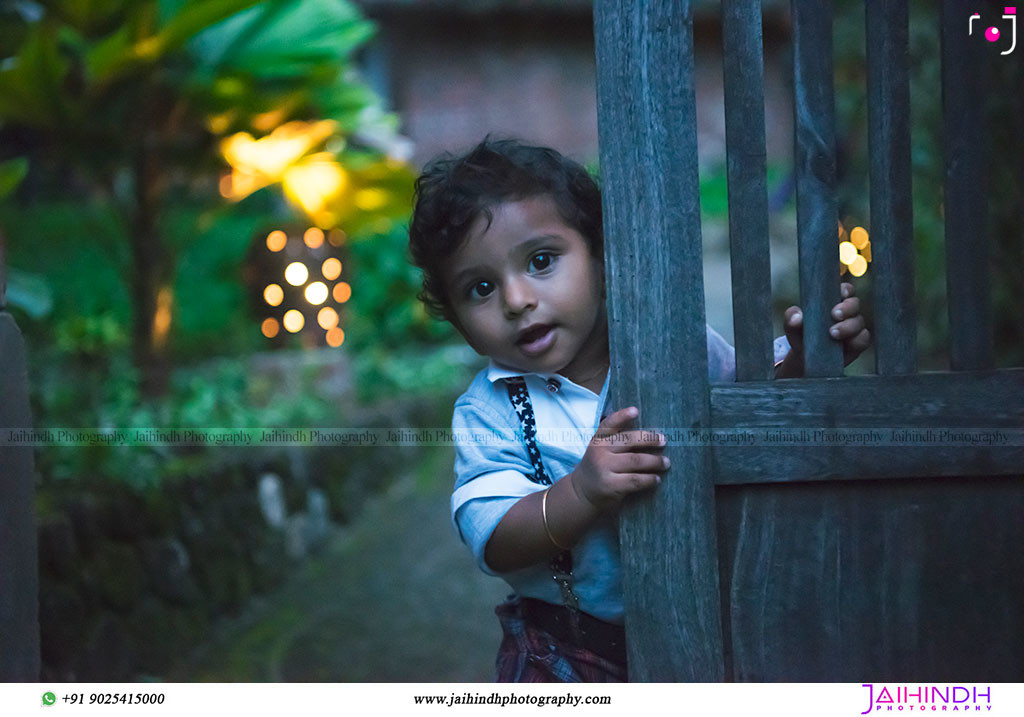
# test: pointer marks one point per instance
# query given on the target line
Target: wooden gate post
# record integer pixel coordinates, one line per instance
(648, 134)
(19, 571)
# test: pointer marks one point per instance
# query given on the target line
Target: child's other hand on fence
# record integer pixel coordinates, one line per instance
(847, 327)
(619, 461)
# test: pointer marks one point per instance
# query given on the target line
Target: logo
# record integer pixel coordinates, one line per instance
(993, 34)
(927, 698)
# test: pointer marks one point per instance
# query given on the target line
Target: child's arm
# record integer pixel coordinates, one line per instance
(617, 462)
(848, 327)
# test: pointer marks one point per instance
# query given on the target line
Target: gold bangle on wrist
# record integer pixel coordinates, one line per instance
(544, 515)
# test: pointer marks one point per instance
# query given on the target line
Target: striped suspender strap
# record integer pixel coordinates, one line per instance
(561, 564)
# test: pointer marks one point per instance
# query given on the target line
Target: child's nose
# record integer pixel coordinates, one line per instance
(518, 297)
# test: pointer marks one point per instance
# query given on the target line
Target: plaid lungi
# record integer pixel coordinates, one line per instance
(530, 654)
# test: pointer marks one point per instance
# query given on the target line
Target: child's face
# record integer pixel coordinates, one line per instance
(526, 292)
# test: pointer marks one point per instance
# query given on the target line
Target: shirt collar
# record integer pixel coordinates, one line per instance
(497, 371)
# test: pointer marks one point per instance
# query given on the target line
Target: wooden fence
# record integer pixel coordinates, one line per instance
(19, 571)
(783, 562)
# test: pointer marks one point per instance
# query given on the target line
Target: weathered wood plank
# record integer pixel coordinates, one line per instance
(919, 407)
(910, 581)
(748, 196)
(968, 250)
(962, 398)
(815, 159)
(892, 230)
(647, 124)
(19, 572)
(787, 464)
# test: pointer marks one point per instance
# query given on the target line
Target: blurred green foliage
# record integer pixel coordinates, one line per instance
(1006, 227)
(384, 313)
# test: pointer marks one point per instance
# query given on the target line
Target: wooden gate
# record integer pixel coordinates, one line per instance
(19, 573)
(847, 538)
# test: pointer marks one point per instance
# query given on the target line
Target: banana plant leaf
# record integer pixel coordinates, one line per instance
(284, 39)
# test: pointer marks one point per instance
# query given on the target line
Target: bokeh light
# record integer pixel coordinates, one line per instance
(273, 295)
(294, 320)
(270, 328)
(313, 237)
(331, 269)
(316, 293)
(342, 292)
(276, 240)
(858, 266)
(296, 273)
(847, 252)
(859, 237)
(335, 337)
(327, 318)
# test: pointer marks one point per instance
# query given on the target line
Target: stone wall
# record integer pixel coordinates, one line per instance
(130, 582)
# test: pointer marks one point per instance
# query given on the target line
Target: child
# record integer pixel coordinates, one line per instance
(510, 242)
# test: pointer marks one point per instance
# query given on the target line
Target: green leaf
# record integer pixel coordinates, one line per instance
(194, 17)
(285, 39)
(32, 82)
(11, 174)
(107, 57)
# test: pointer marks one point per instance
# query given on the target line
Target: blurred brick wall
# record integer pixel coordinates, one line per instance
(453, 76)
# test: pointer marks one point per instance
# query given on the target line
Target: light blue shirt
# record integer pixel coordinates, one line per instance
(492, 469)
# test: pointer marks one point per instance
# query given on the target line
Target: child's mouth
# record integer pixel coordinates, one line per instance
(537, 340)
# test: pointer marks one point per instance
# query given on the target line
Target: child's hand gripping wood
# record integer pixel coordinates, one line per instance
(617, 462)
(848, 327)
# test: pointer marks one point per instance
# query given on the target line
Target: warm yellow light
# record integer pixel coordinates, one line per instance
(270, 156)
(327, 318)
(370, 199)
(316, 293)
(224, 186)
(859, 237)
(335, 337)
(314, 183)
(273, 295)
(219, 124)
(313, 237)
(266, 121)
(331, 269)
(162, 317)
(858, 266)
(294, 320)
(866, 252)
(270, 328)
(336, 237)
(296, 273)
(240, 184)
(841, 230)
(342, 292)
(847, 252)
(276, 240)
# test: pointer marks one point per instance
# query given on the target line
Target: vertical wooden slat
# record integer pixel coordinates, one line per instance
(892, 231)
(647, 125)
(19, 572)
(748, 197)
(815, 183)
(964, 197)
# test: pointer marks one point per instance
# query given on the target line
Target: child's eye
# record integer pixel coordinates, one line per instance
(479, 290)
(541, 261)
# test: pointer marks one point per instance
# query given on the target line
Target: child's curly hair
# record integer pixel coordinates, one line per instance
(453, 191)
